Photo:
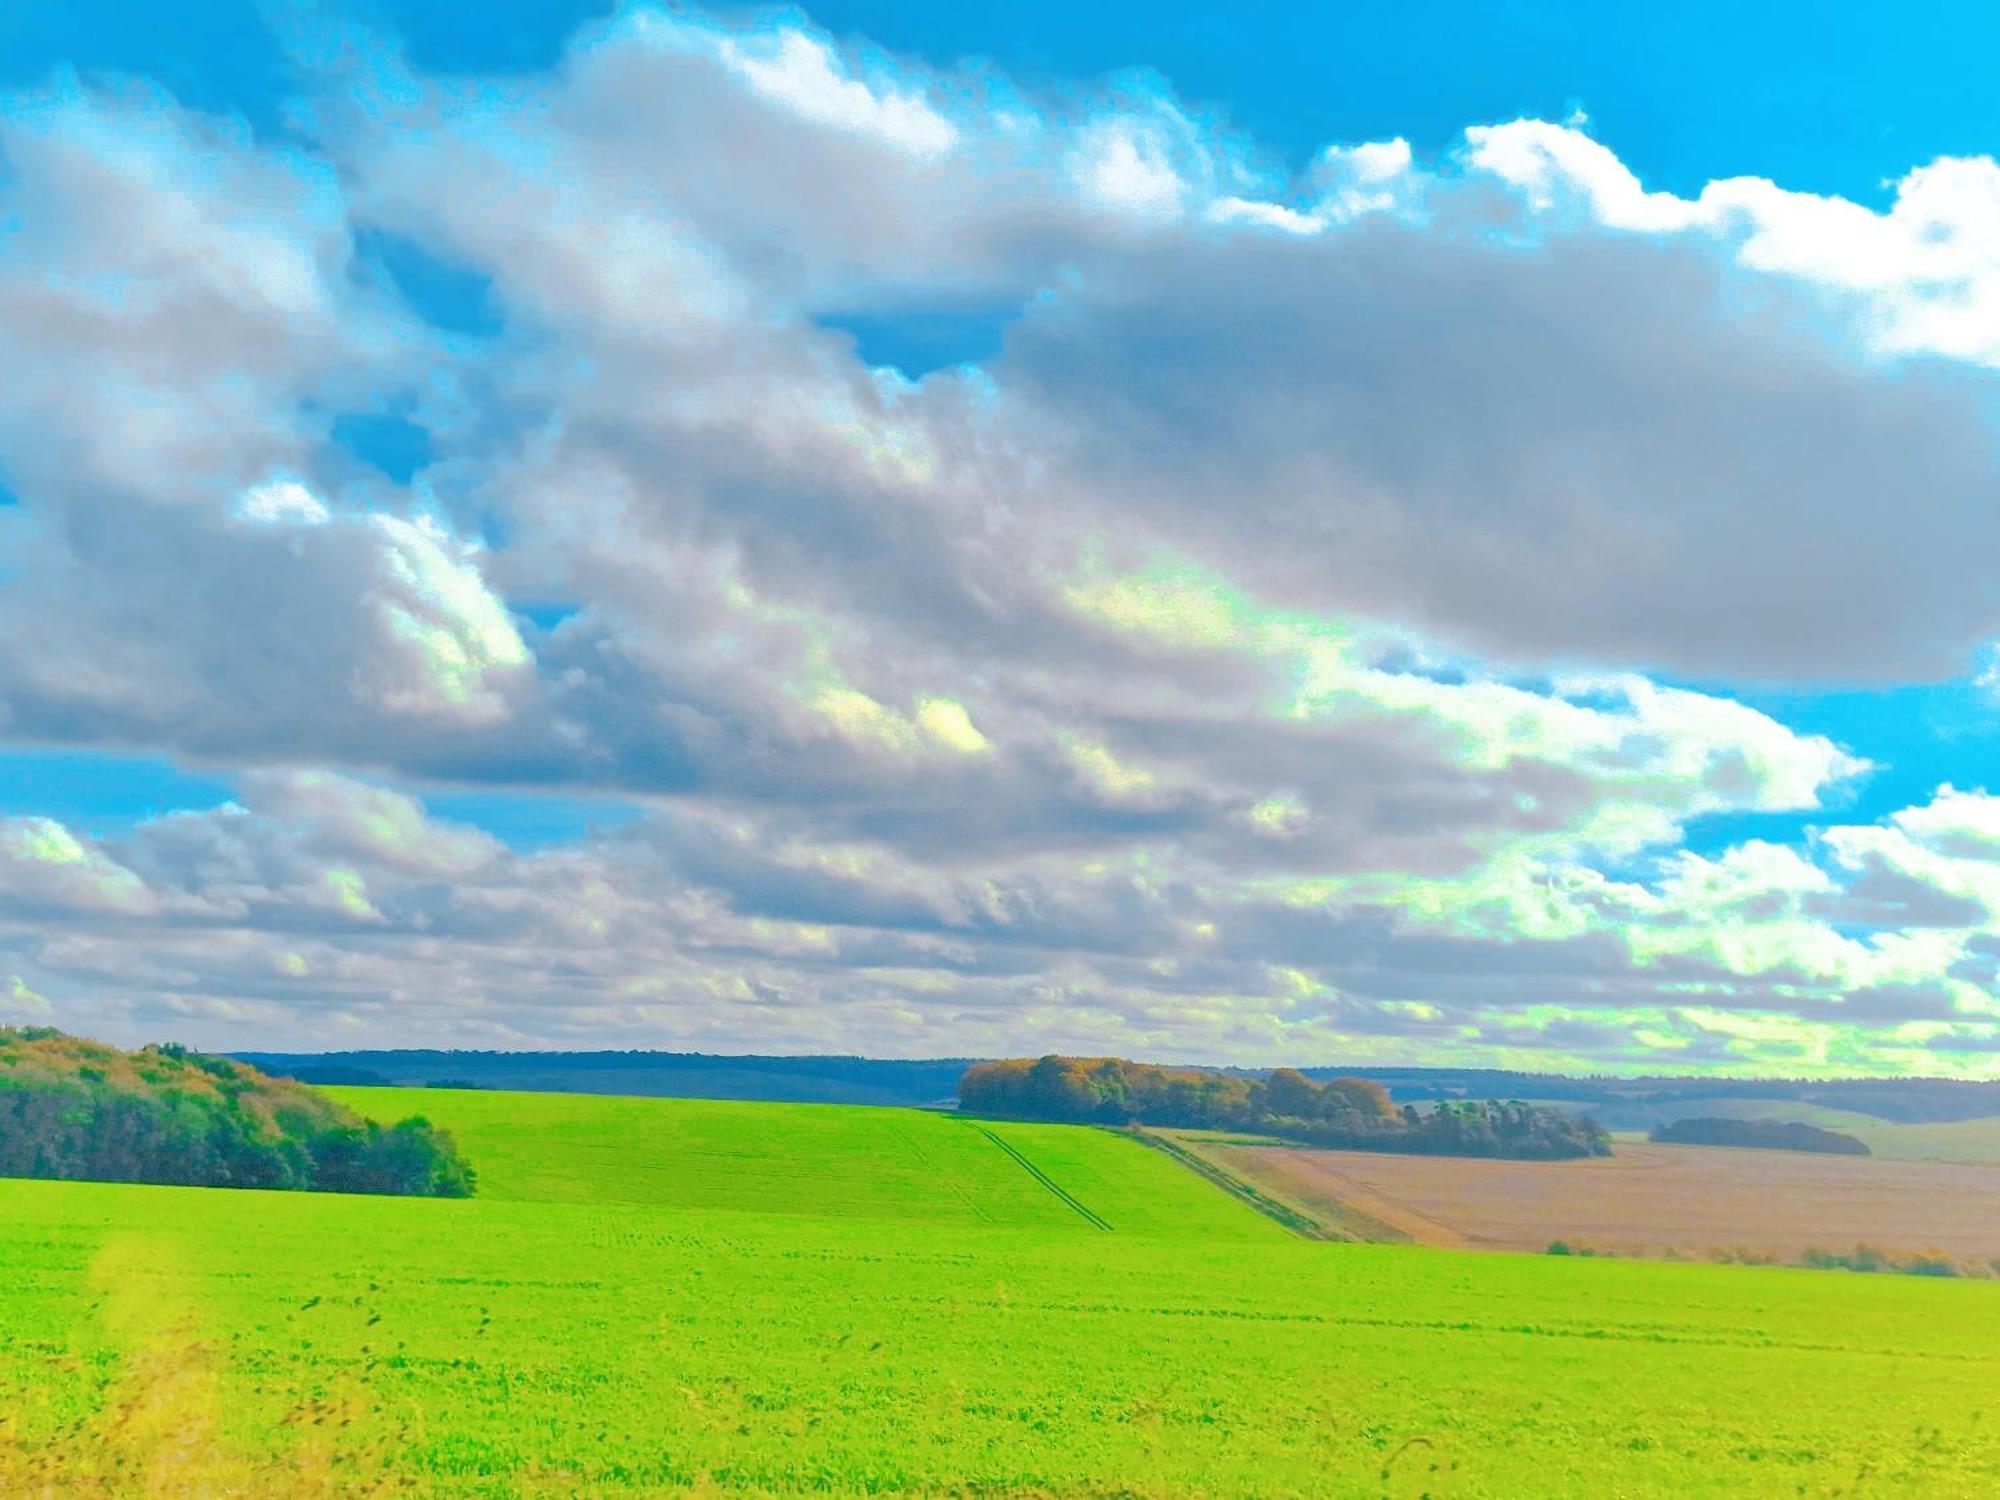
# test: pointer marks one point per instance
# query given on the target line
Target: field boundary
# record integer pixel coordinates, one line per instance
(1300, 1223)
(1088, 1214)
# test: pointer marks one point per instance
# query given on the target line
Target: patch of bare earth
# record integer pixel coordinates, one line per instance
(1649, 1199)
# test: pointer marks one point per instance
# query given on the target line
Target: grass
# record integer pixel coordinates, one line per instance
(687, 1317)
(1954, 1140)
(1967, 1141)
(816, 1160)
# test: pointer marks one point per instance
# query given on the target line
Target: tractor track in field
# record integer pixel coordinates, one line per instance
(1300, 1223)
(1088, 1215)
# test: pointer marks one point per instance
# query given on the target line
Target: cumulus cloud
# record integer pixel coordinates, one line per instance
(1928, 266)
(1269, 647)
(278, 627)
(43, 866)
(328, 909)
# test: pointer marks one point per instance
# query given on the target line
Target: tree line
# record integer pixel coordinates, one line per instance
(1351, 1113)
(79, 1110)
(1769, 1135)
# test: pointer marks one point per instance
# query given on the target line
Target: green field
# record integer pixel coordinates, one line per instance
(657, 1296)
(816, 1160)
(1637, 1119)
(1946, 1140)
(1975, 1140)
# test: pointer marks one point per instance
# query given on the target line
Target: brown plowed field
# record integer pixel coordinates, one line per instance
(1648, 1199)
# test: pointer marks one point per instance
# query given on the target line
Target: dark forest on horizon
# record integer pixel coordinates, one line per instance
(1619, 1102)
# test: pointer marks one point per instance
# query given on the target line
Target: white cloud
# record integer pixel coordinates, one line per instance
(1962, 824)
(323, 911)
(1265, 650)
(436, 605)
(1124, 165)
(282, 502)
(1928, 266)
(1548, 162)
(803, 73)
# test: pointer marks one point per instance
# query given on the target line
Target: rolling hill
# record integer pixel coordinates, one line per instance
(815, 1160)
(668, 1297)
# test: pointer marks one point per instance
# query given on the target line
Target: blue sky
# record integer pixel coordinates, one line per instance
(1257, 533)
(1838, 98)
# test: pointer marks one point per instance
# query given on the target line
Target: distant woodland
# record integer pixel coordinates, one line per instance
(1619, 1103)
(688, 1075)
(1349, 1113)
(1646, 1101)
(1767, 1135)
(76, 1109)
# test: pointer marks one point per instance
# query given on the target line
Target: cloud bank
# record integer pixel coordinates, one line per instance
(1267, 639)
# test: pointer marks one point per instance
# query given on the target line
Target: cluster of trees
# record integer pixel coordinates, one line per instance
(1346, 1112)
(76, 1109)
(1769, 1135)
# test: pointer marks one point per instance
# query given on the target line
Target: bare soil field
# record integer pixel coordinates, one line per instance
(1647, 1199)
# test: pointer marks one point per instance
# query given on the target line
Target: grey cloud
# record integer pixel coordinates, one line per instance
(1884, 897)
(655, 468)
(1598, 448)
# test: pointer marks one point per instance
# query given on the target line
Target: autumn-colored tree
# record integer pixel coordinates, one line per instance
(71, 1108)
(1289, 1092)
(1348, 1112)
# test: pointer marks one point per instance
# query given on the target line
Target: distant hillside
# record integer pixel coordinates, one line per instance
(79, 1110)
(686, 1075)
(1617, 1103)
(1639, 1103)
(815, 1161)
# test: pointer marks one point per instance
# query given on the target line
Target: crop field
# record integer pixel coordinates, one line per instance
(821, 1160)
(1646, 1199)
(1948, 1140)
(683, 1316)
